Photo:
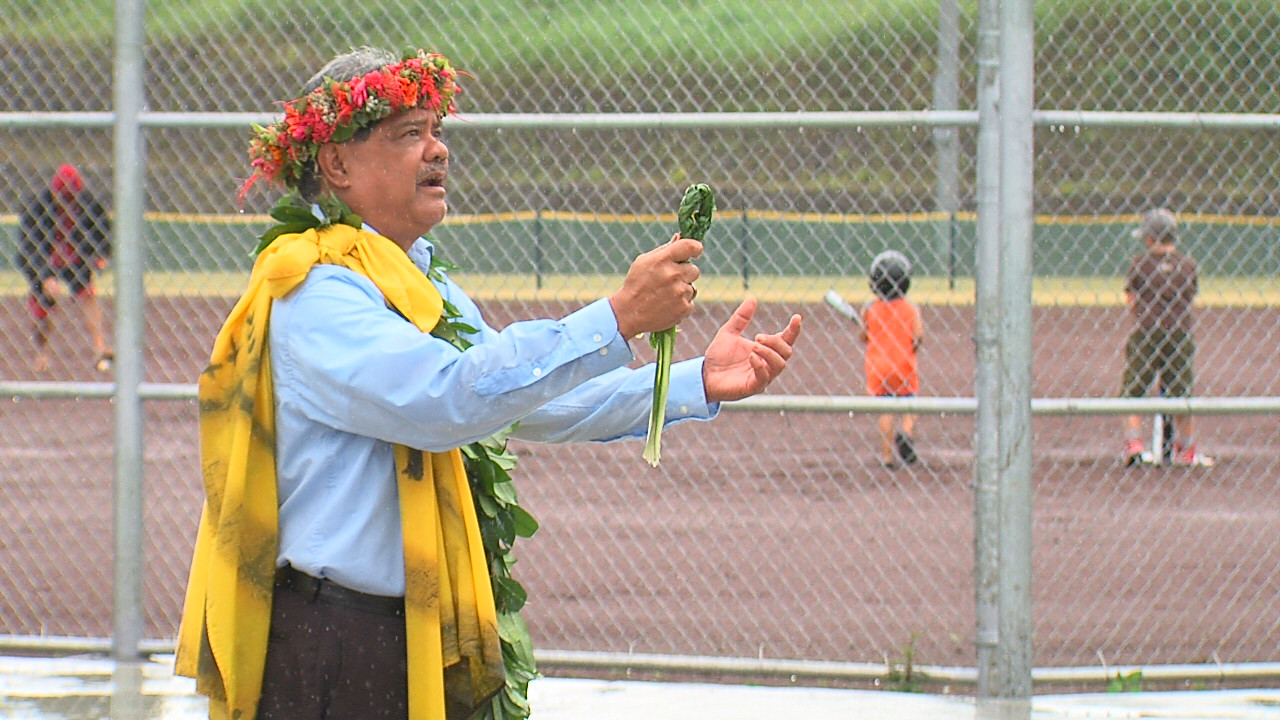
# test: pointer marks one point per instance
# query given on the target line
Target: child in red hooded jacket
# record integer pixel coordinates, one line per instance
(63, 241)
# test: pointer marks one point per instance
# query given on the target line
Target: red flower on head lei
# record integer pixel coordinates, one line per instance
(337, 109)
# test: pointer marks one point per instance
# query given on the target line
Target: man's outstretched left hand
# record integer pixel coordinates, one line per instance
(735, 367)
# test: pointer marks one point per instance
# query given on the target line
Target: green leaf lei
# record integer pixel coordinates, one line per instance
(488, 465)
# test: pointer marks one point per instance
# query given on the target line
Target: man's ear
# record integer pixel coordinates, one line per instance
(332, 164)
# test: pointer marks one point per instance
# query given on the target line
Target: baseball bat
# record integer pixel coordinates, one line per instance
(838, 303)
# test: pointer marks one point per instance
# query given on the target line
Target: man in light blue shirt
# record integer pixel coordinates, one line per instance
(353, 379)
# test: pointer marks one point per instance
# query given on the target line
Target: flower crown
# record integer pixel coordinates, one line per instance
(336, 110)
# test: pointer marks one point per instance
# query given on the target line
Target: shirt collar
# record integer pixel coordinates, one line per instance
(420, 252)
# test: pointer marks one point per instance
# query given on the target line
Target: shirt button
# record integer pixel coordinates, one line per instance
(537, 372)
(604, 351)
(597, 337)
(684, 409)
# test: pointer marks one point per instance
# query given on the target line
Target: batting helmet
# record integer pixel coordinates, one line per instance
(890, 275)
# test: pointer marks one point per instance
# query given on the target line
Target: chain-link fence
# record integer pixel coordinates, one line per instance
(764, 534)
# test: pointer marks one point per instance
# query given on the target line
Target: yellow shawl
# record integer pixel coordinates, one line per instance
(454, 655)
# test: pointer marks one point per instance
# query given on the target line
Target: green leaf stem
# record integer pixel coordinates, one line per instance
(694, 217)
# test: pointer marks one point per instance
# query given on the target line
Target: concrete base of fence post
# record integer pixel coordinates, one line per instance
(1003, 709)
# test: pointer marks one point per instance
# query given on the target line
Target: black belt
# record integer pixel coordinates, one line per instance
(323, 589)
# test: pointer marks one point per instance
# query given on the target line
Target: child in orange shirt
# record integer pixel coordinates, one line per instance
(892, 330)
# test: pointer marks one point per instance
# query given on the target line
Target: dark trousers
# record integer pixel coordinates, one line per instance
(327, 661)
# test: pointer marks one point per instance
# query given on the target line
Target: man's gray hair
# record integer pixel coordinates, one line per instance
(1160, 225)
(358, 62)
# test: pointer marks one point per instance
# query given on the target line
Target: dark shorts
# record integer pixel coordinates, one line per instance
(77, 278)
(1167, 356)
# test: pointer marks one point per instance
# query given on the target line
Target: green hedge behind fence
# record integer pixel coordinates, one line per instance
(742, 244)
(739, 243)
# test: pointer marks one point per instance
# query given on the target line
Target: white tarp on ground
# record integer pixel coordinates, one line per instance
(82, 688)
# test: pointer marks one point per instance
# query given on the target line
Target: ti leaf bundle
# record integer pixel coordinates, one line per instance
(694, 216)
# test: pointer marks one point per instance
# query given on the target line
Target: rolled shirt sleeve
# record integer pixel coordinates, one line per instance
(353, 364)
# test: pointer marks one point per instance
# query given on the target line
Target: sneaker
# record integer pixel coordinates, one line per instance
(106, 361)
(1185, 455)
(1133, 450)
(906, 449)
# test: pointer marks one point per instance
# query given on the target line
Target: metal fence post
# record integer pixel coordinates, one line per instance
(1016, 220)
(946, 97)
(127, 599)
(986, 502)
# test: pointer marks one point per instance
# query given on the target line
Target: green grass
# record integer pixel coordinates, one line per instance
(1207, 53)
(587, 56)
(502, 27)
